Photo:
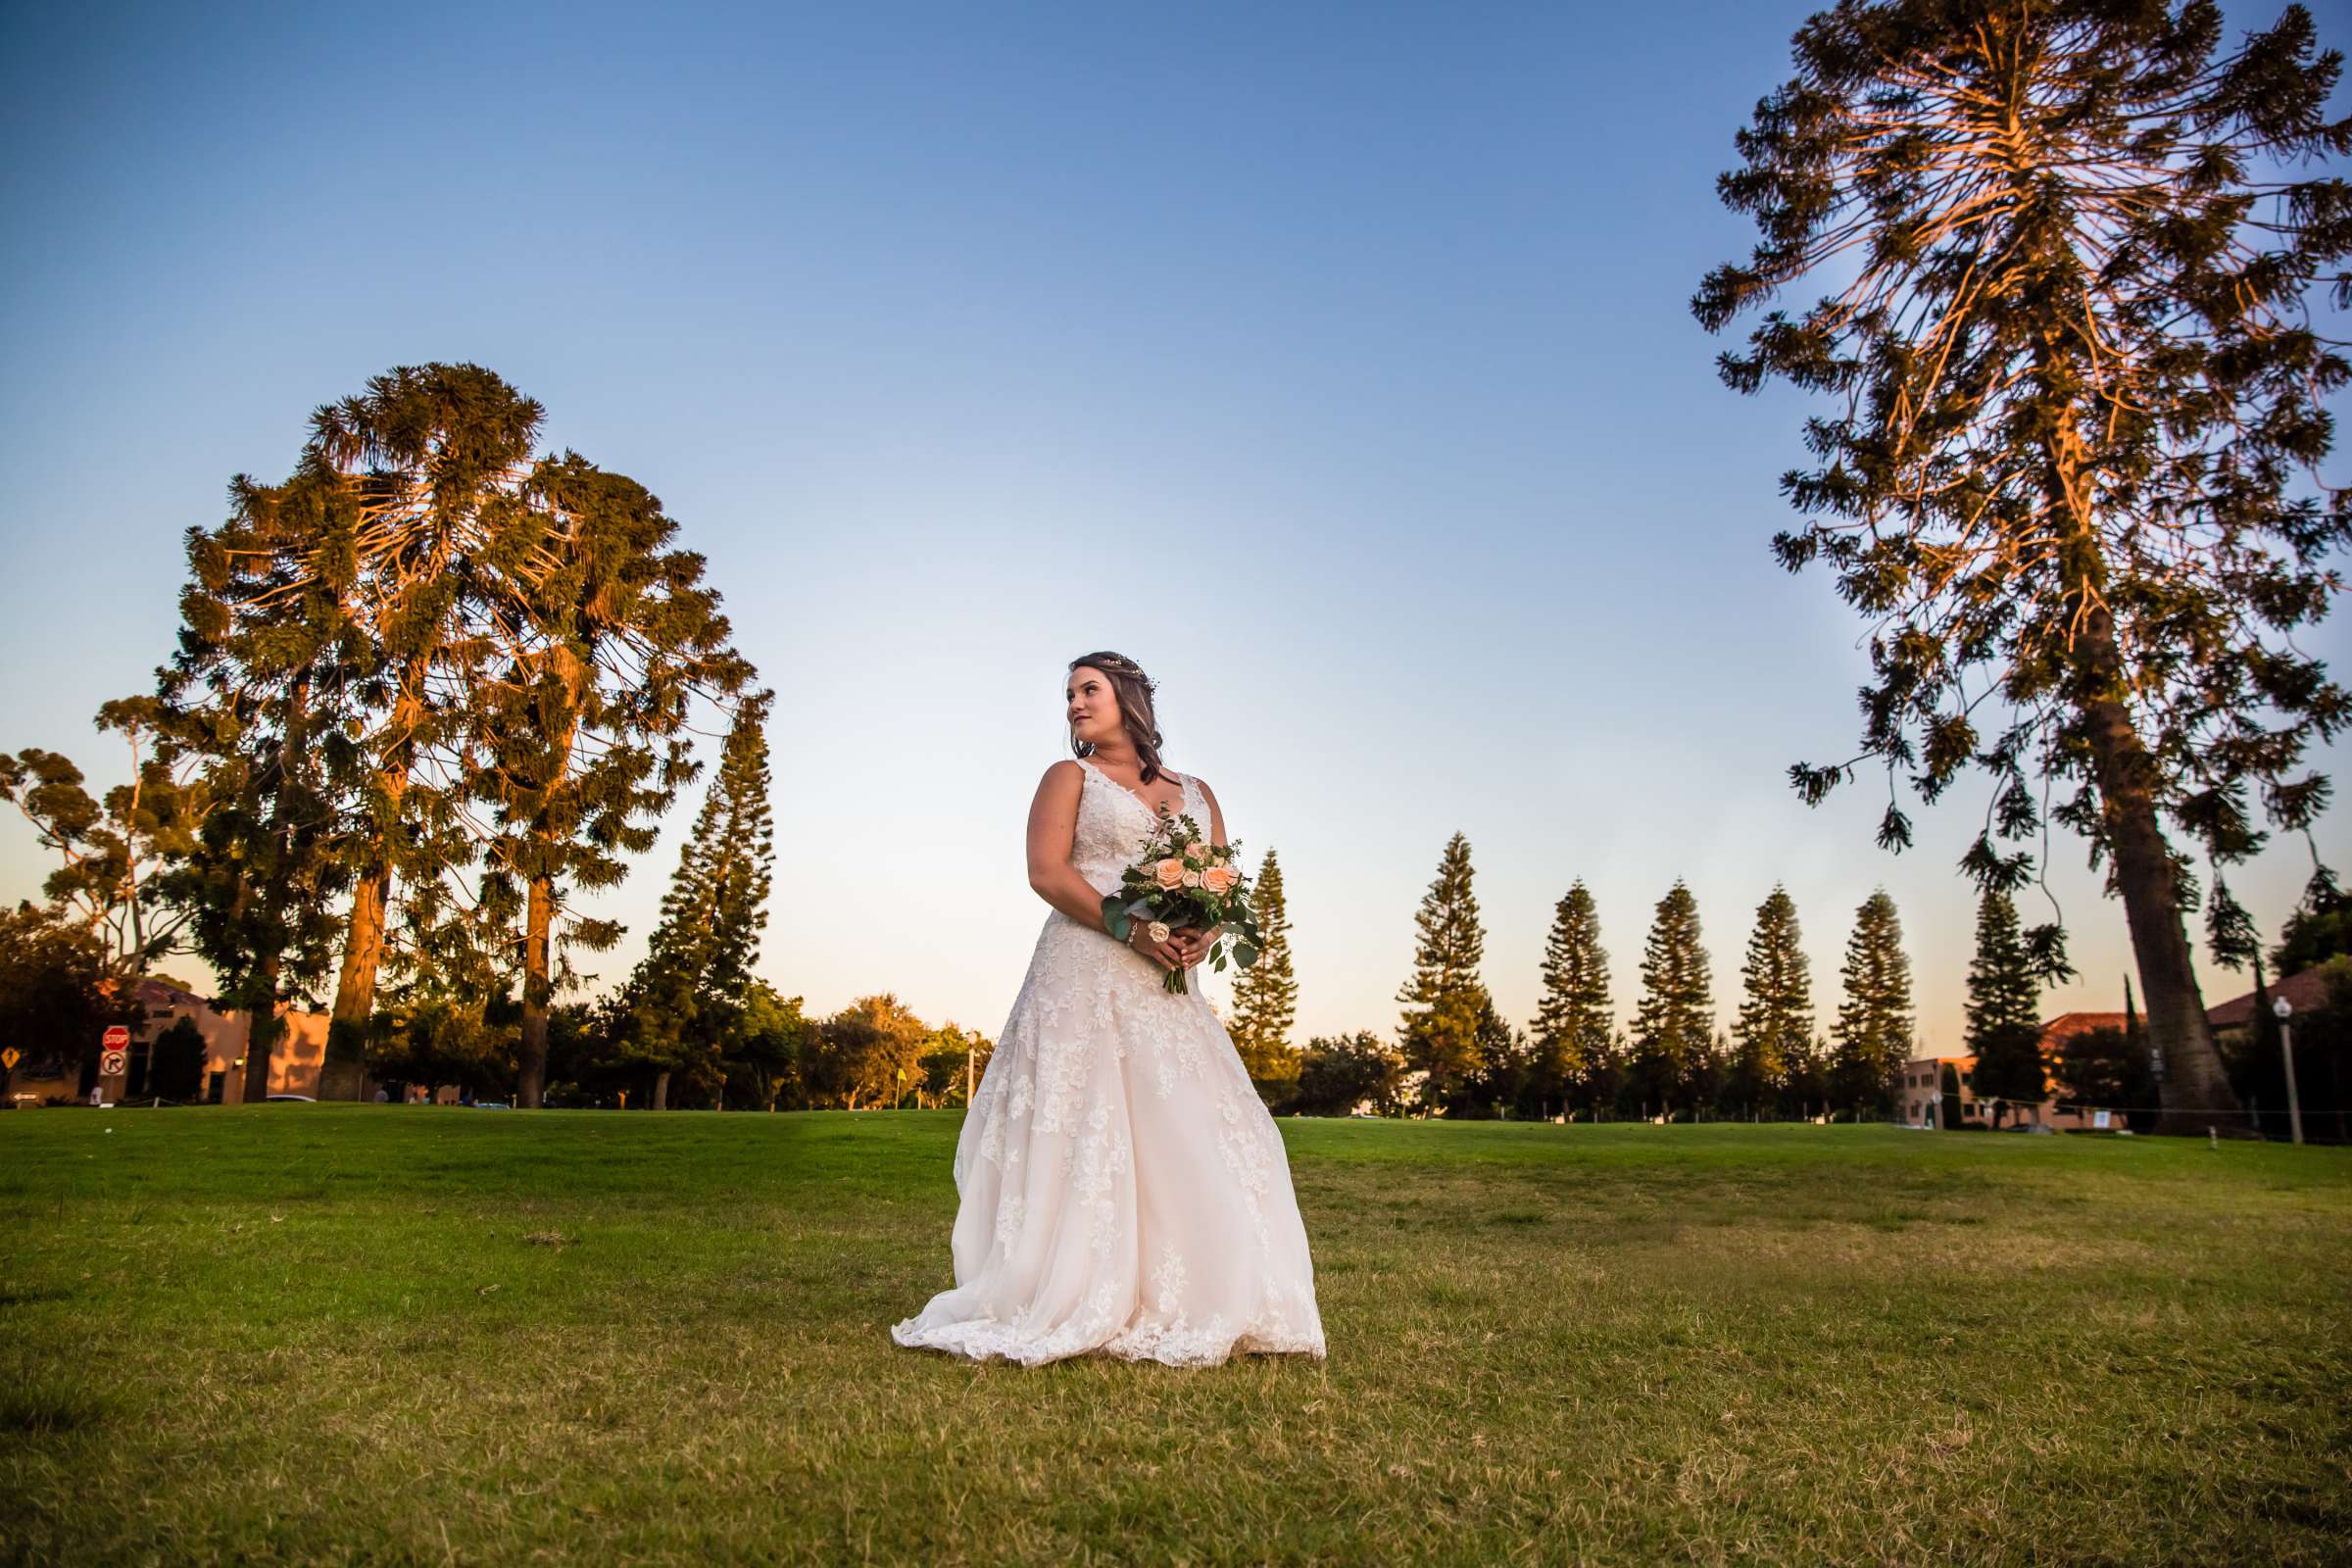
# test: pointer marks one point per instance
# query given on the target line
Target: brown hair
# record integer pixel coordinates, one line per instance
(1136, 717)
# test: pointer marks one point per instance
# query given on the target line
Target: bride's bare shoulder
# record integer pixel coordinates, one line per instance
(1216, 812)
(1065, 773)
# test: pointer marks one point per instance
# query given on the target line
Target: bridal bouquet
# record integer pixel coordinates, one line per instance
(1183, 879)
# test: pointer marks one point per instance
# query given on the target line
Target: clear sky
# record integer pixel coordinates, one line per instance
(1334, 362)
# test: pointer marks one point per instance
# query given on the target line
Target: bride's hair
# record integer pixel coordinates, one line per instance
(1134, 689)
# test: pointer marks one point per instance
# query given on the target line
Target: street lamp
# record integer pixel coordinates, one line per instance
(2285, 1010)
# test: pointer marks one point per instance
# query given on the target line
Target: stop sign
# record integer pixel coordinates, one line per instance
(117, 1038)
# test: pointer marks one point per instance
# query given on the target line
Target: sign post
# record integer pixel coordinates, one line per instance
(113, 1058)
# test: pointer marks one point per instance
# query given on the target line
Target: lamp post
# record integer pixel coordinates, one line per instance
(2284, 1010)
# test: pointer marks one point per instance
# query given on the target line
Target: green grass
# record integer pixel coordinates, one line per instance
(391, 1334)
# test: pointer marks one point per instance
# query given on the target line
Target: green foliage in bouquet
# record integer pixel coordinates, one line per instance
(1181, 879)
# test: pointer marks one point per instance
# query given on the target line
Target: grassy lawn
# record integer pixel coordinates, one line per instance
(385, 1333)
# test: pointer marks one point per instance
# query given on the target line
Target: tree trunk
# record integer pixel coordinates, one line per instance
(661, 1099)
(266, 1027)
(343, 1072)
(536, 990)
(343, 1066)
(2195, 1091)
(263, 1027)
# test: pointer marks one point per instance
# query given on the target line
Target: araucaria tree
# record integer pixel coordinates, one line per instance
(583, 733)
(1445, 997)
(269, 651)
(1674, 1025)
(426, 618)
(1775, 1025)
(2004, 1012)
(1874, 1021)
(377, 545)
(1266, 995)
(2071, 465)
(1571, 1034)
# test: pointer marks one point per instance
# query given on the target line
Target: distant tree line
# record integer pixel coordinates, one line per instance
(1452, 1054)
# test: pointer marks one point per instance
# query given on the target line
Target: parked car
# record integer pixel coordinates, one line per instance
(492, 1105)
(308, 1099)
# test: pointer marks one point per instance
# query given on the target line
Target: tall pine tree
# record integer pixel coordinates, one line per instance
(1775, 1013)
(1574, 1018)
(1874, 1021)
(1445, 997)
(401, 491)
(585, 736)
(1673, 1034)
(2078, 408)
(686, 1001)
(264, 650)
(1266, 995)
(2004, 1012)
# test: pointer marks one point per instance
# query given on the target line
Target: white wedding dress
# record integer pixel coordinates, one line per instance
(1123, 1189)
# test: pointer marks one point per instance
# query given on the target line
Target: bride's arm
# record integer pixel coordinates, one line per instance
(1216, 812)
(1198, 942)
(1052, 832)
(1216, 834)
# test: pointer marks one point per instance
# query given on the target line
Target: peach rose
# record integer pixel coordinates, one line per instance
(1219, 879)
(1169, 872)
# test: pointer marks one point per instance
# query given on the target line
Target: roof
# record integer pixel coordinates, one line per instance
(2053, 1030)
(156, 993)
(2069, 1024)
(2306, 991)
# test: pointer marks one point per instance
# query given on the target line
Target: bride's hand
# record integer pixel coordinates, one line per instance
(1190, 944)
(1167, 954)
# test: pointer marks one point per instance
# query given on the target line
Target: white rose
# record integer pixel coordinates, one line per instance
(1192, 878)
(1158, 931)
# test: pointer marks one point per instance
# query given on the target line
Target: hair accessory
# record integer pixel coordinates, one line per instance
(1129, 666)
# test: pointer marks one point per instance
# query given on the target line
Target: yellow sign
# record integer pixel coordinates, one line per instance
(8, 1059)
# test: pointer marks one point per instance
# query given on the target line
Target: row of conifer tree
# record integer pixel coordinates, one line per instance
(1453, 1053)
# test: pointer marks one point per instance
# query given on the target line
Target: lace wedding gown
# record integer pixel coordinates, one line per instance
(1122, 1189)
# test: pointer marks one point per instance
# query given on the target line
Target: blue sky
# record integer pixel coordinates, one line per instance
(1335, 362)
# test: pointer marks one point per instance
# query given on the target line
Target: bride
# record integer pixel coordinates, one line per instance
(1122, 1189)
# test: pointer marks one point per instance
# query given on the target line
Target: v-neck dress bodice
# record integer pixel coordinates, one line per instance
(1113, 822)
